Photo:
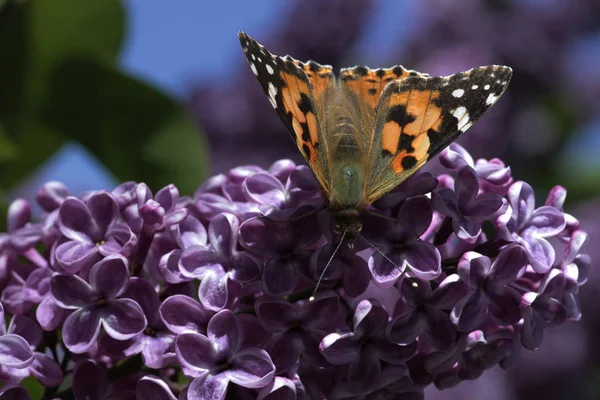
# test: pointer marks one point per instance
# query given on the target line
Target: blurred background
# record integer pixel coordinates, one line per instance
(93, 93)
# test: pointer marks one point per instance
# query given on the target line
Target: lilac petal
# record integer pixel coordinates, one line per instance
(264, 189)
(158, 351)
(73, 256)
(405, 328)
(46, 370)
(75, 220)
(254, 333)
(81, 330)
(143, 293)
(225, 333)
(444, 200)
(486, 206)
(284, 349)
(19, 214)
(393, 353)
(119, 239)
(195, 352)
(27, 329)
(251, 368)
(448, 293)
(214, 290)
(279, 389)
(473, 268)
(466, 186)
(455, 157)
(174, 217)
(198, 261)
(466, 229)
(281, 169)
(182, 313)
(275, 314)
(151, 388)
(279, 278)
(90, 381)
(15, 351)
(522, 201)
(439, 331)
(167, 197)
(416, 214)
(169, 267)
(190, 232)
(532, 333)
(504, 304)
(208, 387)
(541, 254)
(385, 274)
(49, 315)
(120, 348)
(469, 312)
(364, 370)
(222, 233)
(103, 209)
(556, 198)
(122, 319)
(51, 195)
(321, 312)
(14, 393)
(110, 276)
(339, 348)
(244, 267)
(369, 319)
(71, 291)
(16, 299)
(511, 260)
(423, 259)
(547, 221)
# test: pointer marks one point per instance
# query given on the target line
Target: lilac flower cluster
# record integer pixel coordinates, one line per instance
(135, 295)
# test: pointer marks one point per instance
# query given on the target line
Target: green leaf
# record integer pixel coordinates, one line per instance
(137, 132)
(8, 149)
(33, 387)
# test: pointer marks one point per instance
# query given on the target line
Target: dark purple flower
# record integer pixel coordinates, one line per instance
(401, 245)
(216, 359)
(91, 383)
(221, 266)
(491, 292)
(155, 343)
(297, 329)
(91, 231)
(282, 388)
(466, 207)
(392, 383)
(283, 244)
(417, 184)
(424, 311)
(532, 227)
(13, 393)
(97, 304)
(365, 347)
(20, 298)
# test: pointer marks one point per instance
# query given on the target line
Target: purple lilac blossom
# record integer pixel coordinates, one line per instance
(219, 287)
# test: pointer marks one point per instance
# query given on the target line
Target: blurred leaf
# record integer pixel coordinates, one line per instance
(8, 149)
(33, 387)
(137, 132)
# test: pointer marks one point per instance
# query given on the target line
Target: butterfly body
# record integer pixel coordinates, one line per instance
(367, 130)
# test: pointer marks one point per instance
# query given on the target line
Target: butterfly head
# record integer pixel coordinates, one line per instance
(348, 222)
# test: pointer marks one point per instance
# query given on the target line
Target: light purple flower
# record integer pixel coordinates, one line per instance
(97, 304)
(181, 314)
(466, 207)
(91, 231)
(15, 354)
(221, 266)
(531, 227)
(216, 359)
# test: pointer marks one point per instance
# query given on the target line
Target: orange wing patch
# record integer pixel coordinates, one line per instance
(368, 83)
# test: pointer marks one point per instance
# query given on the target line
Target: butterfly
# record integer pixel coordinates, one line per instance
(365, 131)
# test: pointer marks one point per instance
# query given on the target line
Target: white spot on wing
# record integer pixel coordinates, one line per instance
(458, 93)
(460, 112)
(272, 94)
(269, 69)
(491, 99)
(462, 116)
(474, 87)
(253, 56)
(253, 68)
(487, 87)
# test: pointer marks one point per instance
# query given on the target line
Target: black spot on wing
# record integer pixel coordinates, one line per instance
(399, 115)
(405, 143)
(372, 91)
(408, 162)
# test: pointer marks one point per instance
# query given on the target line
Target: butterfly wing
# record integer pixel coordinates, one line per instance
(297, 91)
(365, 86)
(419, 116)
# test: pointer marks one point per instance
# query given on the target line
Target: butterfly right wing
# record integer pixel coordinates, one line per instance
(297, 92)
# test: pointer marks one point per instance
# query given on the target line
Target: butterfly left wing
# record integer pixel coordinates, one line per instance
(297, 91)
(417, 117)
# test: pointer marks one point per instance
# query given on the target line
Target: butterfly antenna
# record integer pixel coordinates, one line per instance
(381, 252)
(312, 297)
